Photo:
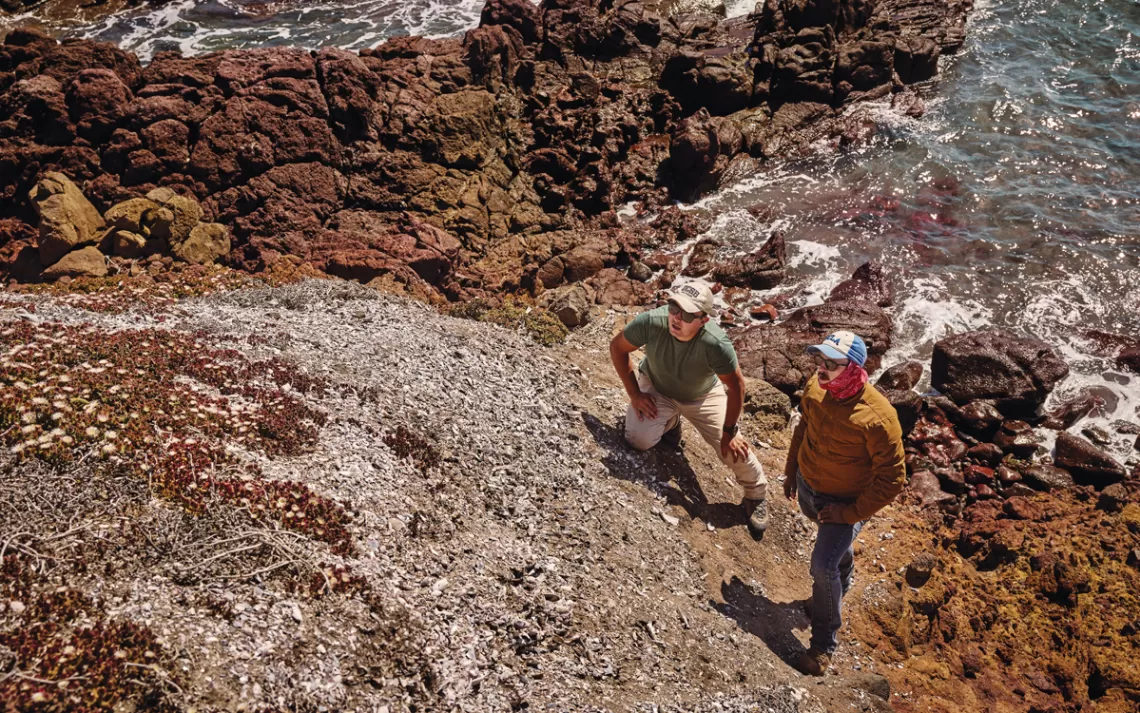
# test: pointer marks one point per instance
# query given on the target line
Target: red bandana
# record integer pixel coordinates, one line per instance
(848, 383)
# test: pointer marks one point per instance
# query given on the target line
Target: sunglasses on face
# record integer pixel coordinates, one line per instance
(827, 363)
(686, 317)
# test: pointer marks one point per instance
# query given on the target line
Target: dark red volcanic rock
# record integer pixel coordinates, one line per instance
(1088, 464)
(1016, 373)
(868, 284)
(523, 127)
(761, 270)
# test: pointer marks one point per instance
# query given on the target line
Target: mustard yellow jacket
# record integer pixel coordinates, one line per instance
(849, 449)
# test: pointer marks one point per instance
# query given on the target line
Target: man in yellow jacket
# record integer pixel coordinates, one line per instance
(844, 465)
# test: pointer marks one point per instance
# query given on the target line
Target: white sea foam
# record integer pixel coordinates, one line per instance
(924, 313)
(195, 27)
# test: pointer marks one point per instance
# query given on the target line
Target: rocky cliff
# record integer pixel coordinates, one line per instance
(458, 167)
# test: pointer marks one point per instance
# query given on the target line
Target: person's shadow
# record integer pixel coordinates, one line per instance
(655, 468)
(772, 622)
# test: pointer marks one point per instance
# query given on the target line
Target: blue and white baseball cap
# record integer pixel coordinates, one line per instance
(842, 345)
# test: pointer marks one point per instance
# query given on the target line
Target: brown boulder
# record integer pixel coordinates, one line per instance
(169, 141)
(571, 304)
(916, 58)
(522, 15)
(1016, 372)
(1017, 438)
(775, 353)
(868, 283)
(908, 406)
(127, 244)
(351, 89)
(67, 218)
(207, 242)
(987, 453)
(611, 287)
(141, 216)
(185, 210)
(98, 101)
(1088, 464)
(581, 263)
(862, 67)
(84, 262)
(866, 319)
(980, 419)
(927, 488)
(1047, 478)
(37, 108)
(700, 150)
(698, 80)
(552, 272)
(902, 376)
(702, 258)
(761, 270)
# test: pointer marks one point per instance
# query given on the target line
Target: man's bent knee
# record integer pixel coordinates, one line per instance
(639, 441)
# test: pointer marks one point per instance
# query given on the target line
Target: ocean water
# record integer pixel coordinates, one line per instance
(199, 26)
(1015, 201)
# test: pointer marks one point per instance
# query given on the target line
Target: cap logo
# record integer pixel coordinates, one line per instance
(833, 339)
(690, 291)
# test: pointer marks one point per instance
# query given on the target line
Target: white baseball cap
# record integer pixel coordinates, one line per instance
(695, 296)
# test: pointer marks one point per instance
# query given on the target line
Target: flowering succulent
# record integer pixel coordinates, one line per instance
(407, 444)
(64, 655)
(165, 405)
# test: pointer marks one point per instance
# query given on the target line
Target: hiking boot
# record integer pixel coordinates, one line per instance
(672, 437)
(812, 662)
(808, 607)
(757, 513)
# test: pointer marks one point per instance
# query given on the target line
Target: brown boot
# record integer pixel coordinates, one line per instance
(756, 515)
(812, 662)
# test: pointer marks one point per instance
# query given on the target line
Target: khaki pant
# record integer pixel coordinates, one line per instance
(707, 416)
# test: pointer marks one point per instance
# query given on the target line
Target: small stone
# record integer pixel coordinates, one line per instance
(296, 612)
(764, 313)
(17, 607)
(1113, 498)
(670, 519)
(1047, 478)
(1097, 435)
(640, 271)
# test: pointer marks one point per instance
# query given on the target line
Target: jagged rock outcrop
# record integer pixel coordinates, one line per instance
(543, 119)
(1016, 373)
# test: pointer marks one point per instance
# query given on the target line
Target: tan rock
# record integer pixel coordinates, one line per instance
(187, 212)
(84, 262)
(142, 216)
(207, 243)
(127, 244)
(67, 218)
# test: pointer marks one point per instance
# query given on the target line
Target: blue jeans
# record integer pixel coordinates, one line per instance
(832, 566)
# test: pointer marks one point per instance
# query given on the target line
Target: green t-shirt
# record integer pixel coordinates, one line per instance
(683, 371)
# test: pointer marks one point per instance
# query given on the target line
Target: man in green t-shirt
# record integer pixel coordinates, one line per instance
(689, 370)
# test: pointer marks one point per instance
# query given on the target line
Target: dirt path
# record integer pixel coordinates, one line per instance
(759, 586)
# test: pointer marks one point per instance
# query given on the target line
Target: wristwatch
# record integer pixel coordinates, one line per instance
(733, 429)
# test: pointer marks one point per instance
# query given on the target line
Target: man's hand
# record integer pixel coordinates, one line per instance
(644, 404)
(735, 445)
(831, 514)
(790, 487)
